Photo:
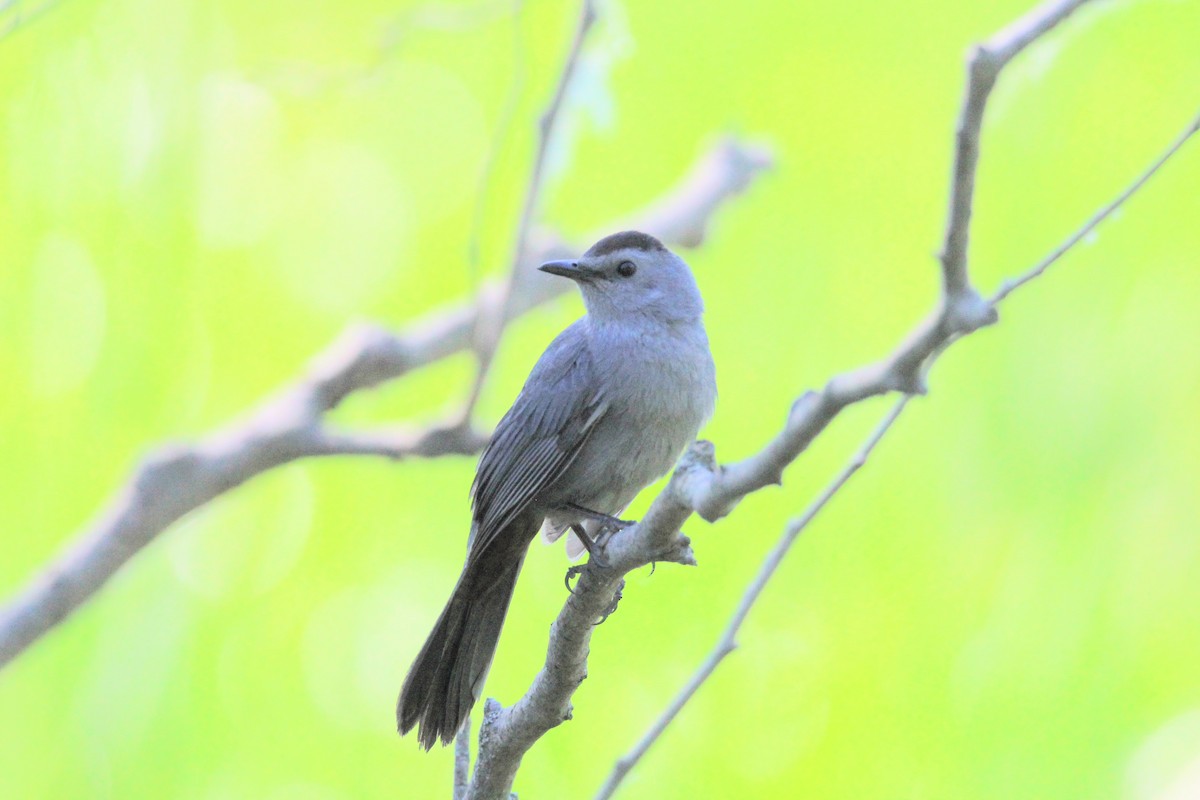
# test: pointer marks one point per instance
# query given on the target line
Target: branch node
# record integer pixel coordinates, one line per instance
(680, 552)
(714, 507)
(968, 311)
(906, 378)
(809, 405)
(694, 478)
(363, 356)
(804, 404)
(747, 158)
(983, 65)
(491, 715)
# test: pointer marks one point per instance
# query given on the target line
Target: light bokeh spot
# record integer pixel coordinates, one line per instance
(347, 224)
(359, 643)
(241, 135)
(1167, 765)
(69, 316)
(245, 544)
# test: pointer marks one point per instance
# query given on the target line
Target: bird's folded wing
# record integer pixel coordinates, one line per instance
(539, 437)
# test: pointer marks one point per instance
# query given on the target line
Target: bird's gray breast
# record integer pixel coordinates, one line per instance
(660, 388)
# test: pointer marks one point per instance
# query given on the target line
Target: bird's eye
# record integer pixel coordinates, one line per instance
(626, 269)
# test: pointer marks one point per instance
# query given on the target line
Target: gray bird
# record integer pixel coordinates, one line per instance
(607, 410)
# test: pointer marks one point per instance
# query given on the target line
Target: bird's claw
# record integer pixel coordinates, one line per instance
(595, 561)
(611, 606)
(573, 572)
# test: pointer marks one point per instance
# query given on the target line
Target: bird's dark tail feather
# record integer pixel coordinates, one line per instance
(443, 682)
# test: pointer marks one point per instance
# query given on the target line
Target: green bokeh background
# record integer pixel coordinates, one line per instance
(197, 196)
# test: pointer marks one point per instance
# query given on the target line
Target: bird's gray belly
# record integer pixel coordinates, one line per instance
(660, 390)
(627, 451)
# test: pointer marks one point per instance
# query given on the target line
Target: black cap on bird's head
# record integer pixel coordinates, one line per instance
(625, 240)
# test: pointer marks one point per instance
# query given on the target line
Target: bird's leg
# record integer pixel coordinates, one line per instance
(608, 519)
(594, 550)
(595, 557)
(609, 524)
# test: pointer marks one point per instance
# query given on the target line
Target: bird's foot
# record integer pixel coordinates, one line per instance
(611, 606)
(573, 572)
(596, 559)
(606, 532)
(579, 569)
(607, 521)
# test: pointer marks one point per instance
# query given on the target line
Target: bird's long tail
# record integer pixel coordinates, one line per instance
(445, 680)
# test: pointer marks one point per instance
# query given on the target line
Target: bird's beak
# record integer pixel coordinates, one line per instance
(569, 269)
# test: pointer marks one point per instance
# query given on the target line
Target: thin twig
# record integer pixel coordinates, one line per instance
(983, 66)
(443, 17)
(395, 445)
(490, 328)
(503, 126)
(1011, 285)
(728, 641)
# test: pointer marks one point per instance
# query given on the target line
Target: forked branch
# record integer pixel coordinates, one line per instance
(177, 479)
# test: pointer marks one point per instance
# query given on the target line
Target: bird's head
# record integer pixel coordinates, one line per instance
(631, 273)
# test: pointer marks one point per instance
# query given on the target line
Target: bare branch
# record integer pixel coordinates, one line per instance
(491, 321)
(728, 641)
(462, 759)
(399, 444)
(983, 66)
(178, 479)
